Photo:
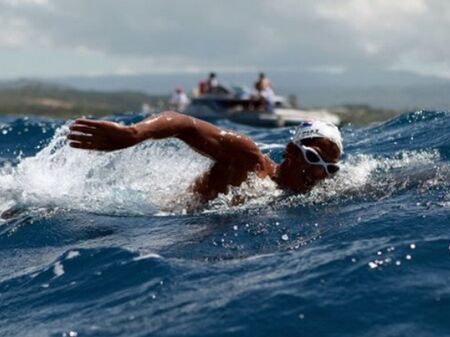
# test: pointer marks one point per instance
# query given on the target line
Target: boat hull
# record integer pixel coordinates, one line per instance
(279, 118)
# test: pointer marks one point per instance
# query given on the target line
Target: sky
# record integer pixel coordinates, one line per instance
(56, 38)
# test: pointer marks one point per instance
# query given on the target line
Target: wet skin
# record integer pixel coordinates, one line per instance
(234, 155)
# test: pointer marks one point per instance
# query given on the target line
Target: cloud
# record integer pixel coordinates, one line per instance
(14, 32)
(402, 34)
(254, 34)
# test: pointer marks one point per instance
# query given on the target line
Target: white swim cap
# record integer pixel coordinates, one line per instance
(318, 129)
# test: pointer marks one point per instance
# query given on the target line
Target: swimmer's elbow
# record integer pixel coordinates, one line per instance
(181, 124)
(169, 114)
(164, 125)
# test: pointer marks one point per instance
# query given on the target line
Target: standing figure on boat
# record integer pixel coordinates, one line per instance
(266, 95)
(262, 82)
(213, 83)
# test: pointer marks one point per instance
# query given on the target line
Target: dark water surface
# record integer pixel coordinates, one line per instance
(105, 244)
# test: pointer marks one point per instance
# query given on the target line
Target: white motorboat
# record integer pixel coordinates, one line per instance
(237, 105)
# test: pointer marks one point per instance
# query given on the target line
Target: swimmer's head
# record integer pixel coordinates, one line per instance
(311, 155)
(318, 129)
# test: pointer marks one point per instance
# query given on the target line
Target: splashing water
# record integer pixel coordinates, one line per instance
(154, 178)
(139, 180)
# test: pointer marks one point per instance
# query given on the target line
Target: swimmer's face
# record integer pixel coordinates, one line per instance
(297, 174)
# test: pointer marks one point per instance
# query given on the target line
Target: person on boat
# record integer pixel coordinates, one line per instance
(208, 85)
(262, 82)
(309, 157)
(213, 83)
(265, 93)
(179, 100)
(267, 97)
(202, 87)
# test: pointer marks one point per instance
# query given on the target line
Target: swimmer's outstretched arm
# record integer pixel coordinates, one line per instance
(203, 137)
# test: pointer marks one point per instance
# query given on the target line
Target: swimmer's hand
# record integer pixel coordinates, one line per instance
(100, 135)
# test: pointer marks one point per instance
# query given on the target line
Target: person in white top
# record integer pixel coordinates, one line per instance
(179, 100)
(266, 95)
(269, 99)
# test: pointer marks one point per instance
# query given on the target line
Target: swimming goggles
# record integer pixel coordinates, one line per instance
(313, 157)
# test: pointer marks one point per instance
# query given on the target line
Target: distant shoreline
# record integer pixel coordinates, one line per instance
(46, 100)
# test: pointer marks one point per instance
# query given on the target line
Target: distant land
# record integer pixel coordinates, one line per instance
(394, 90)
(379, 97)
(54, 100)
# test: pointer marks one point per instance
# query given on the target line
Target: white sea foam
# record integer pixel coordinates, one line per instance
(139, 180)
(72, 254)
(360, 175)
(367, 175)
(252, 193)
(58, 269)
(147, 256)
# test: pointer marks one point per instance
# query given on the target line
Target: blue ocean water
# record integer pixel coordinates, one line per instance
(111, 244)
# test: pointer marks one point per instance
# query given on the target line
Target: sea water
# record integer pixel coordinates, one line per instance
(114, 244)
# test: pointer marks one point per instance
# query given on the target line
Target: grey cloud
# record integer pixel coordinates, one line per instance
(284, 33)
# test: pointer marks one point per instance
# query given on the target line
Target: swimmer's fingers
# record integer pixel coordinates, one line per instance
(101, 135)
(82, 145)
(86, 129)
(91, 122)
(85, 145)
(95, 142)
(85, 137)
(93, 127)
(78, 137)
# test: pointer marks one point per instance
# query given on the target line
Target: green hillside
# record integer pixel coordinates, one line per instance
(56, 101)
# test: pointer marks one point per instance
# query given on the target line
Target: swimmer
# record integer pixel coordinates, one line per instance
(309, 157)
